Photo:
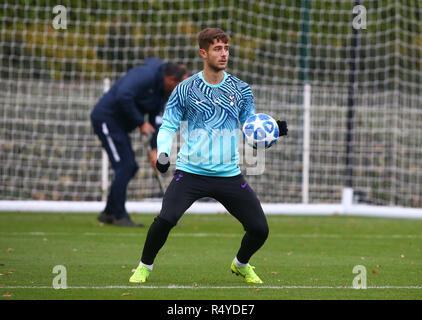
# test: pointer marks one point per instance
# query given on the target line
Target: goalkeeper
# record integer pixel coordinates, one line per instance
(143, 90)
(210, 102)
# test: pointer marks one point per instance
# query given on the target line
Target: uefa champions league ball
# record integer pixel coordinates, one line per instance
(260, 130)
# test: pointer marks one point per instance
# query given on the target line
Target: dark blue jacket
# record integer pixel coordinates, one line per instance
(140, 91)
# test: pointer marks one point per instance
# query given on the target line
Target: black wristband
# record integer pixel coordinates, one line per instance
(163, 162)
(282, 128)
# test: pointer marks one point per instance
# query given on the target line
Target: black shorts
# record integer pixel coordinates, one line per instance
(233, 193)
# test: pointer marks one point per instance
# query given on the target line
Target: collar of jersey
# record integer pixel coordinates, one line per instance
(200, 75)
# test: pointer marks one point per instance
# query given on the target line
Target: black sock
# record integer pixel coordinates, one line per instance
(156, 237)
(250, 244)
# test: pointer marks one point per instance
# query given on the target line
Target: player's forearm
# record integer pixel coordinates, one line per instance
(165, 140)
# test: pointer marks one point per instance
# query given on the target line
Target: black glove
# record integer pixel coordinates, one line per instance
(163, 162)
(282, 128)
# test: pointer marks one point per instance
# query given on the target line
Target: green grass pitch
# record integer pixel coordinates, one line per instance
(304, 258)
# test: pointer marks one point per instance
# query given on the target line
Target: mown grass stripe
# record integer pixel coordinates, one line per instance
(213, 287)
(230, 235)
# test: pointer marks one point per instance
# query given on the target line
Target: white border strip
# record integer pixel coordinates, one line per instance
(154, 207)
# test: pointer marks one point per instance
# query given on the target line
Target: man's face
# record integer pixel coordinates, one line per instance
(217, 55)
(170, 83)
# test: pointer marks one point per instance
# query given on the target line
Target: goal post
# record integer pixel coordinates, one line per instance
(52, 75)
(306, 142)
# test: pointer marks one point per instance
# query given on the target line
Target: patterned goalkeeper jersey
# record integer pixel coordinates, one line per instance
(209, 118)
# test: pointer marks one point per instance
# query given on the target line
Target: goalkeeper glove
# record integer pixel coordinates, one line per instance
(163, 162)
(282, 128)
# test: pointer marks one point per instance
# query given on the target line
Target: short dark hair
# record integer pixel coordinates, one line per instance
(207, 36)
(178, 70)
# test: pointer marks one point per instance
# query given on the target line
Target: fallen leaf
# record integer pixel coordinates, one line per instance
(75, 250)
(374, 271)
(123, 266)
(362, 258)
(274, 272)
(289, 253)
(9, 250)
(257, 290)
(402, 256)
(7, 294)
(127, 294)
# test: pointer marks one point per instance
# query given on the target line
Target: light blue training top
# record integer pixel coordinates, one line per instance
(209, 118)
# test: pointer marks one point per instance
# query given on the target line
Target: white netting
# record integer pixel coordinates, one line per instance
(50, 80)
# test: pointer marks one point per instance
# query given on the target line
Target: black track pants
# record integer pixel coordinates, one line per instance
(232, 192)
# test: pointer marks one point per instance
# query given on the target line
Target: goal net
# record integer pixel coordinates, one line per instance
(362, 61)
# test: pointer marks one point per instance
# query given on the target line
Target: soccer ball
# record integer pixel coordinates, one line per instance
(260, 130)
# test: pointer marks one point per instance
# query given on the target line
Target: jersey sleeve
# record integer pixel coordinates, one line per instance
(172, 117)
(248, 106)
